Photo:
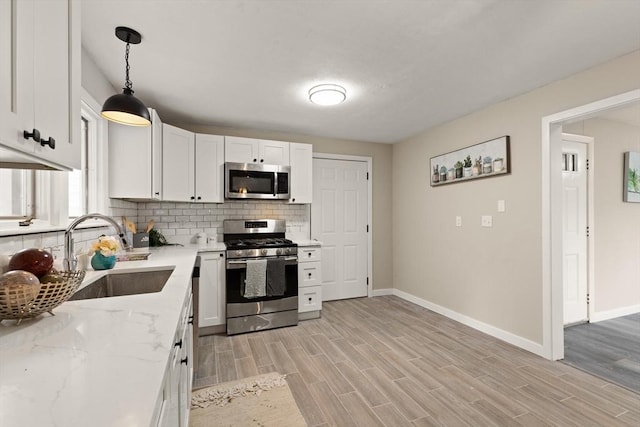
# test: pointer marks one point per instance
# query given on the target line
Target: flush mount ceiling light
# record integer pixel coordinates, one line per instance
(125, 108)
(327, 94)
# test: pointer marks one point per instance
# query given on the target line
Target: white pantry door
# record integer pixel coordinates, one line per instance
(339, 214)
(574, 228)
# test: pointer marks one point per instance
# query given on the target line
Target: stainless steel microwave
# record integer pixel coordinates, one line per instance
(256, 181)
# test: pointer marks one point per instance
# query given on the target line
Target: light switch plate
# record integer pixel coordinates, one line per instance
(458, 221)
(487, 221)
(501, 206)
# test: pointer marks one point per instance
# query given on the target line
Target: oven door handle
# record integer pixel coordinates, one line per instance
(241, 264)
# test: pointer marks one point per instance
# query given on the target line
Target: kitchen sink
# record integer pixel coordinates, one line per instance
(121, 284)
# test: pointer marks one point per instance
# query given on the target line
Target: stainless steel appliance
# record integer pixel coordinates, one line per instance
(256, 181)
(262, 275)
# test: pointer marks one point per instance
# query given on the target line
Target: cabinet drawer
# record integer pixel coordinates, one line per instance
(309, 254)
(310, 299)
(309, 274)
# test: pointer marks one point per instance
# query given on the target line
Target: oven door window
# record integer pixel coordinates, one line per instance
(251, 182)
(237, 276)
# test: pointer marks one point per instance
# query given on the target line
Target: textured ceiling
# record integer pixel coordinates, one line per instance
(407, 65)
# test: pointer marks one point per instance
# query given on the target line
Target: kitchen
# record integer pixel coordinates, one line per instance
(391, 205)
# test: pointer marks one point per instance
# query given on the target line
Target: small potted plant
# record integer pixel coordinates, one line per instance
(486, 165)
(498, 164)
(104, 253)
(477, 167)
(458, 168)
(443, 173)
(467, 167)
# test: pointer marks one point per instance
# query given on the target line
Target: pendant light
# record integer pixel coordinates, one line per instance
(125, 108)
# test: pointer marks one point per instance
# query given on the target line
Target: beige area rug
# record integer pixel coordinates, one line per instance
(264, 400)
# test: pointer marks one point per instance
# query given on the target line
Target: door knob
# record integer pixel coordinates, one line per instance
(35, 134)
(50, 142)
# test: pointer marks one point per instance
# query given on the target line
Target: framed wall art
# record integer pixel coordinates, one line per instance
(631, 177)
(483, 160)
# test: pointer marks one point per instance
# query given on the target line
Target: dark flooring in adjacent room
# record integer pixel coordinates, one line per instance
(384, 361)
(608, 349)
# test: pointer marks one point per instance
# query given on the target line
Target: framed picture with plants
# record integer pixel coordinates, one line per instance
(483, 160)
(631, 177)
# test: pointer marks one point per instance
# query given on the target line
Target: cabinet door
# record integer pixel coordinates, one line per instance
(186, 373)
(301, 172)
(178, 153)
(170, 412)
(135, 160)
(209, 168)
(212, 290)
(54, 83)
(240, 150)
(16, 73)
(274, 152)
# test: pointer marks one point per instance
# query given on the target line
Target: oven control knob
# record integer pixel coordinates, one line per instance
(239, 253)
(263, 251)
(278, 251)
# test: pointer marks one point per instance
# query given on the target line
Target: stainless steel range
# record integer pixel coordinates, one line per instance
(262, 275)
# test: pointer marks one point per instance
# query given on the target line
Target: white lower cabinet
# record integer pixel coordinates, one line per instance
(211, 307)
(174, 404)
(309, 282)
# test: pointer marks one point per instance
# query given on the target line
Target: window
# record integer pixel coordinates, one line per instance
(78, 179)
(87, 187)
(16, 193)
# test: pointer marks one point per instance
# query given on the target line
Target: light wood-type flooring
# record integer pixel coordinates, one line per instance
(386, 362)
(608, 349)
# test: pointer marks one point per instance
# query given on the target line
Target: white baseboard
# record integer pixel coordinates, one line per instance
(382, 292)
(612, 314)
(516, 340)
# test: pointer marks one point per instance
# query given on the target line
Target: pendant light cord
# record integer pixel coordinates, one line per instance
(127, 83)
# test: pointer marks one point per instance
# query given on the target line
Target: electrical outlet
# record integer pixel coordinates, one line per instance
(458, 221)
(487, 221)
(501, 206)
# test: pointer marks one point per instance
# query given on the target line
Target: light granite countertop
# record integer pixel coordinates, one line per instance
(97, 362)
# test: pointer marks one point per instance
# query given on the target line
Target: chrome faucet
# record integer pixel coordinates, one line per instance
(70, 261)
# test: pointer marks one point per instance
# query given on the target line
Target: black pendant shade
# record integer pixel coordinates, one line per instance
(125, 108)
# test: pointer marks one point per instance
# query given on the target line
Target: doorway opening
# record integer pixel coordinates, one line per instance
(552, 231)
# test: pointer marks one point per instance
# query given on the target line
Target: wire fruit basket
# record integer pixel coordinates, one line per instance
(18, 302)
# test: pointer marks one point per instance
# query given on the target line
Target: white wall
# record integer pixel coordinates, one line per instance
(616, 224)
(490, 275)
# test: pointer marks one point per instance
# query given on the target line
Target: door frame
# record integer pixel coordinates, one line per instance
(552, 298)
(369, 162)
(589, 141)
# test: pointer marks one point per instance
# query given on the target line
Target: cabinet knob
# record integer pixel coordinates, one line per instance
(310, 299)
(35, 134)
(255, 160)
(190, 320)
(261, 160)
(221, 255)
(185, 360)
(193, 197)
(178, 344)
(199, 198)
(157, 193)
(309, 275)
(50, 142)
(293, 200)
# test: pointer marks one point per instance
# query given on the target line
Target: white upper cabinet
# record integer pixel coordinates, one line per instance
(192, 166)
(301, 172)
(40, 79)
(135, 160)
(248, 150)
(273, 152)
(209, 160)
(178, 151)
